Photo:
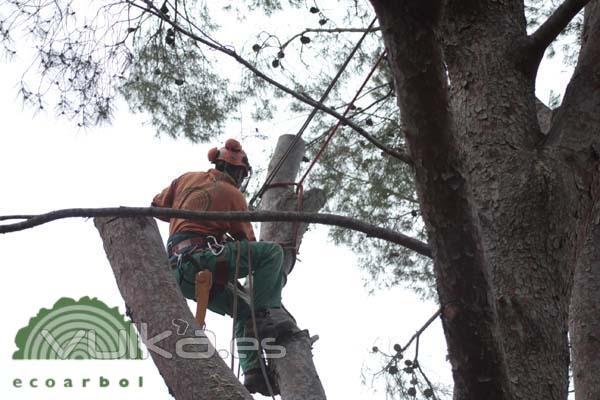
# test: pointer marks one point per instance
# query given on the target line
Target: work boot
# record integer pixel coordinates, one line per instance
(271, 323)
(254, 381)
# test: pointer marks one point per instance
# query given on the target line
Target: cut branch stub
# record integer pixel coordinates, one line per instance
(296, 372)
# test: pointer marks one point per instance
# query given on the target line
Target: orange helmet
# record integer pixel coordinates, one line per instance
(232, 154)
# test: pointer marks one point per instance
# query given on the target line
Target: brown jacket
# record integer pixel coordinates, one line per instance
(212, 190)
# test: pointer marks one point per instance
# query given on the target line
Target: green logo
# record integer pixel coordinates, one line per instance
(86, 329)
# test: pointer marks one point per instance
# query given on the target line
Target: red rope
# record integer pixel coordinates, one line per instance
(339, 123)
(299, 185)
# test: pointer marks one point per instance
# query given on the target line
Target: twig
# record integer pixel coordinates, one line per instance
(415, 336)
(261, 216)
(333, 30)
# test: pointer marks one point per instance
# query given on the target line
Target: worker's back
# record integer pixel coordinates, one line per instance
(212, 190)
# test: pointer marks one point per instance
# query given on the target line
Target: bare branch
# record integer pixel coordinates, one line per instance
(555, 24)
(259, 216)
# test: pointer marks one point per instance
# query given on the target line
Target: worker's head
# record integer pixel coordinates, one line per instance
(232, 160)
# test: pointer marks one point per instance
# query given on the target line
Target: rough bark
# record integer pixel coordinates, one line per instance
(577, 130)
(544, 115)
(523, 197)
(584, 326)
(296, 372)
(506, 207)
(463, 280)
(136, 254)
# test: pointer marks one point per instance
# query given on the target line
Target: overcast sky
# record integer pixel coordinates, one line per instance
(50, 164)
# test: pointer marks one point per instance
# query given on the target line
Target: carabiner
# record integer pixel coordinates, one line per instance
(216, 248)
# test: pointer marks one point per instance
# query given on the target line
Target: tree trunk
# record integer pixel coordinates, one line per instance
(584, 327)
(136, 254)
(154, 302)
(296, 372)
(506, 207)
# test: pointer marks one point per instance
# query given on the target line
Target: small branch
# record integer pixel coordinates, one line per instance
(150, 8)
(555, 24)
(422, 329)
(9, 217)
(259, 216)
(413, 338)
(334, 30)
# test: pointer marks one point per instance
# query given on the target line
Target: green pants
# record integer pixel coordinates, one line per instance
(266, 260)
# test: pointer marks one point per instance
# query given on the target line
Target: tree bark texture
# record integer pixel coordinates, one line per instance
(155, 304)
(584, 327)
(296, 372)
(507, 207)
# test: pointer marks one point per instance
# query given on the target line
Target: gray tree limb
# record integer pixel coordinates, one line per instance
(261, 216)
(138, 259)
(296, 372)
(575, 124)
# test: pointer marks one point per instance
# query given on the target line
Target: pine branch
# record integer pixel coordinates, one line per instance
(555, 24)
(258, 216)
(152, 9)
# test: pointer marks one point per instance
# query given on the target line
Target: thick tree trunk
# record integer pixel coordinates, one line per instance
(296, 372)
(136, 254)
(505, 212)
(584, 324)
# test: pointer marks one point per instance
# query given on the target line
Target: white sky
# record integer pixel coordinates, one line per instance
(47, 164)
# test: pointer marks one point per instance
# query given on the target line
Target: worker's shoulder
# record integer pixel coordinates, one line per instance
(193, 175)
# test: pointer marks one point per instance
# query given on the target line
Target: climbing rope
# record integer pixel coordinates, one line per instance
(299, 185)
(310, 117)
(261, 361)
(339, 122)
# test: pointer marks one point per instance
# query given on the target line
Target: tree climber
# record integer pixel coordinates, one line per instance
(195, 246)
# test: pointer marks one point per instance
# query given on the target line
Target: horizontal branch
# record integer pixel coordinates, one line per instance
(258, 216)
(555, 24)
